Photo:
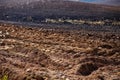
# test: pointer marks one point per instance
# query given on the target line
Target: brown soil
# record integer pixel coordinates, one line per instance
(46, 54)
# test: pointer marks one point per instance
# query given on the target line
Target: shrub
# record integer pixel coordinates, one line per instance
(5, 77)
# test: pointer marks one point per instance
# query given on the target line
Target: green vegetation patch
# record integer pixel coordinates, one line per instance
(5, 77)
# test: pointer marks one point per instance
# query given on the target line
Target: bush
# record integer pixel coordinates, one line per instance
(5, 77)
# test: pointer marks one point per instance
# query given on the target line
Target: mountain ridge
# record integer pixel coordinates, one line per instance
(39, 10)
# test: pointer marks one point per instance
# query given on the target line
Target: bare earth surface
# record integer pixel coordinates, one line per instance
(47, 54)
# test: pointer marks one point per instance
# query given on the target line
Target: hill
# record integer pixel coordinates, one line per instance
(39, 10)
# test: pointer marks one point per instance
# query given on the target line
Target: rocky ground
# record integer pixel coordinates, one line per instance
(47, 54)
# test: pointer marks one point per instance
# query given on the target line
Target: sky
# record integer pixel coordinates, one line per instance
(109, 2)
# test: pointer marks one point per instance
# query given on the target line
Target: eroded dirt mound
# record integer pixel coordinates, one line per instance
(43, 54)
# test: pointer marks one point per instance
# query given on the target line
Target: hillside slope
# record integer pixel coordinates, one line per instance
(42, 9)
